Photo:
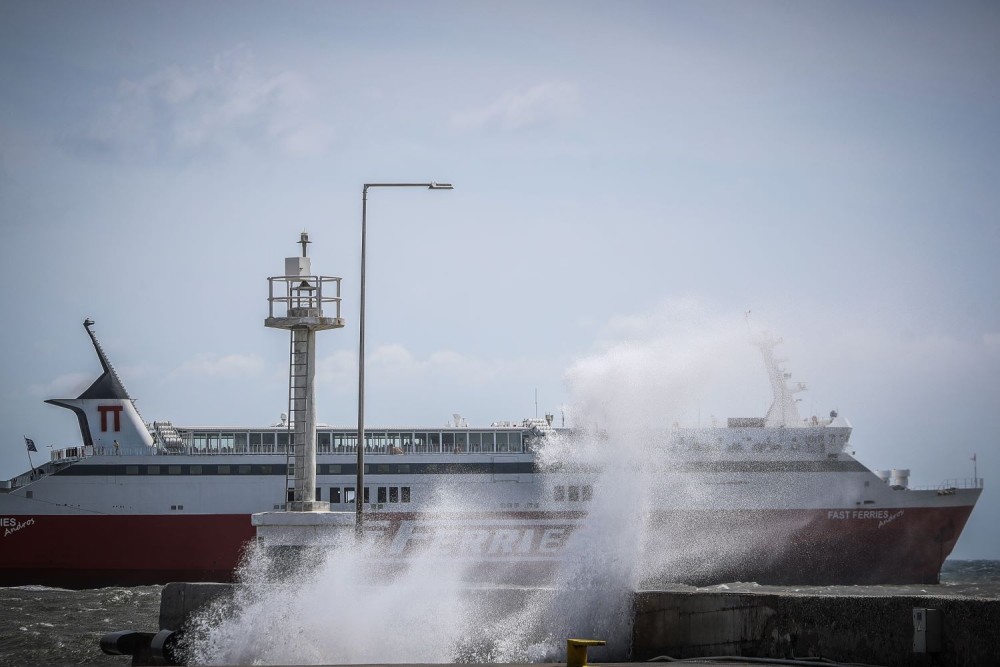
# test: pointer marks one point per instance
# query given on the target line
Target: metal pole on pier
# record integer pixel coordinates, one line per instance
(359, 493)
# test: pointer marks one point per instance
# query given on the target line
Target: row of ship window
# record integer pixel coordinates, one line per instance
(808, 443)
(338, 495)
(326, 469)
(333, 442)
(573, 493)
(383, 494)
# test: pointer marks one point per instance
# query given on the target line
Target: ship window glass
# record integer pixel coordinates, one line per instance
(405, 494)
(368, 495)
(282, 440)
(588, 492)
(448, 441)
(195, 470)
(515, 441)
(345, 442)
(559, 493)
(383, 469)
(324, 442)
(173, 507)
(152, 470)
(335, 495)
(393, 442)
(334, 468)
(475, 442)
(265, 470)
(393, 494)
(406, 442)
(131, 470)
(349, 495)
(29, 494)
(213, 442)
(223, 470)
(180, 507)
(173, 470)
(375, 442)
(381, 494)
(244, 470)
(461, 442)
(428, 443)
(403, 468)
(261, 443)
(199, 442)
(240, 442)
(574, 493)
(226, 442)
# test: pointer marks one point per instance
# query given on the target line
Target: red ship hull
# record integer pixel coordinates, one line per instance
(835, 546)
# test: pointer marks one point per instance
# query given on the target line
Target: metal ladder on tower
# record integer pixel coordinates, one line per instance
(298, 374)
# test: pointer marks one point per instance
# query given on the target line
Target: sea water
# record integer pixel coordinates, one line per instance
(45, 626)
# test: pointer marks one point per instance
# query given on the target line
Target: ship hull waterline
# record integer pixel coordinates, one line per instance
(818, 547)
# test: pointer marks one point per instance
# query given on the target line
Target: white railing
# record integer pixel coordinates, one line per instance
(289, 292)
(956, 483)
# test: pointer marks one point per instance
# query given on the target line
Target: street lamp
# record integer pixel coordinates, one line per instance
(359, 493)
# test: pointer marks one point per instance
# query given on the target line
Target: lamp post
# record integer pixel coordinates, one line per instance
(359, 493)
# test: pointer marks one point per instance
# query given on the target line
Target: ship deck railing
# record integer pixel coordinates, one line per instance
(275, 450)
(955, 483)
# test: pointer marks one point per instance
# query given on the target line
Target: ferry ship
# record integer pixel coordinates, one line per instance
(779, 499)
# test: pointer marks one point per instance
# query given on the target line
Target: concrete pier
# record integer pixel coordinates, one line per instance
(874, 625)
(862, 624)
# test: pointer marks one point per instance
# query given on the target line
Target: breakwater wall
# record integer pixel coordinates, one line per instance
(865, 625)
(859, 624)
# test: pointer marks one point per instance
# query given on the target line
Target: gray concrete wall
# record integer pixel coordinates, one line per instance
(179, 601)
(848, 628)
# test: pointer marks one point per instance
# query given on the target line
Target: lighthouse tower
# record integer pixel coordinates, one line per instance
(303, 304)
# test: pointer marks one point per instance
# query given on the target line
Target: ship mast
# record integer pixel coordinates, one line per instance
(783, 411)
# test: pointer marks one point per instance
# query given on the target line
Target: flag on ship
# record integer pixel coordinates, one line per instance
(30, 444)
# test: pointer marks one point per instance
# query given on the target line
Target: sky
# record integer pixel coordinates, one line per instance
(630, 177)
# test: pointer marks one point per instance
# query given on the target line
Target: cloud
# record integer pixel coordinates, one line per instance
(339, 369)
(68, 385)
(230, 366)
(395, 363)
(541, 104)
(183, 112)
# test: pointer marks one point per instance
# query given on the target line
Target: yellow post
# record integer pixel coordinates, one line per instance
(576, 651)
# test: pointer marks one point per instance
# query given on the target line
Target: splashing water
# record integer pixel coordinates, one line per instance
(352, 605)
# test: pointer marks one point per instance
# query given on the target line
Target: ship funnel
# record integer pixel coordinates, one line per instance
(900, 479)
